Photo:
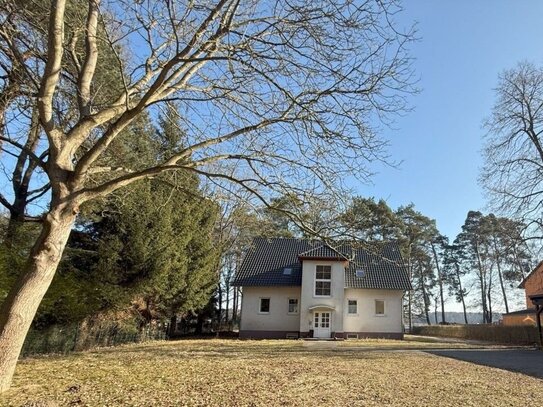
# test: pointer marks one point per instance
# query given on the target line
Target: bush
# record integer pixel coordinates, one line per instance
(518, 335)
(83, 336)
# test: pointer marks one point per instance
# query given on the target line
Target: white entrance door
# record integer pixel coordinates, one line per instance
(321, 324)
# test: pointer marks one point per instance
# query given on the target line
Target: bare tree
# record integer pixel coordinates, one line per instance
(513, 170)
(286, 90)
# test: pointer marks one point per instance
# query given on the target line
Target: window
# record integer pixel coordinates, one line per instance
(264, 305)
(352, 307)
(293, 305)
(287, 271)
(360, 273)
(379, 307)
(323, 281)
(324, 272)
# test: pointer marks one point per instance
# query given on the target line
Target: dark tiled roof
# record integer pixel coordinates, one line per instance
(382, 266)
(323, 252)
(266, 260)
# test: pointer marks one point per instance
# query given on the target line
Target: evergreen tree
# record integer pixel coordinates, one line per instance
(370, 220)
(454, 270)
(419, 232)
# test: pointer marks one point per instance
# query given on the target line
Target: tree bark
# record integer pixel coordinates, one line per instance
(489, 292)
(235, 306)
(461, 291)
(502, 285)
(410, 295)
(440, 282)
(227, 291)
(482, 283)
(173, 326)
(219, 318)
(22, 302)
(425, 297)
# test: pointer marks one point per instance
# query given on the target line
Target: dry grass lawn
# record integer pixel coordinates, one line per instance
(264, 373)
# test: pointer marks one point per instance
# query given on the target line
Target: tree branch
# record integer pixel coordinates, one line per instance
(52, 69)
(89, 65)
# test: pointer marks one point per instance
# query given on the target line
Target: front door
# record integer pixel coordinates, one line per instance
(321, 328)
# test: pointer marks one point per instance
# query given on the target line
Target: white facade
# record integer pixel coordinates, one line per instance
(312, 303)
(322, 307)
(366, 319)
(278, 318)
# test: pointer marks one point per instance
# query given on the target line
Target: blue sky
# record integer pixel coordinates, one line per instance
(464, 45)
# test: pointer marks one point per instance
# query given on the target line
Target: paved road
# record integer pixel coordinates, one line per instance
(525, 361)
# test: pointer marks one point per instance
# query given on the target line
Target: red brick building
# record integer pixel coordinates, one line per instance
(532, 284)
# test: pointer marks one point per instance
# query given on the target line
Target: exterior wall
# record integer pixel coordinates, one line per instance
(278, 322)
(275, 324)
(308, 298)
(519, 319)
(366, 323)
(534, 285)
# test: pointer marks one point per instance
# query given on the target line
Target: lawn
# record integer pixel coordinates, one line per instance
(264, 373)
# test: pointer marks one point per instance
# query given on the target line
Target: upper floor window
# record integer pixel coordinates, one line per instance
(379, 307)
(264, 306)
(323, 281)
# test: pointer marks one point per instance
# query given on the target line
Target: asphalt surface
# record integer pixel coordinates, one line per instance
(529, 362)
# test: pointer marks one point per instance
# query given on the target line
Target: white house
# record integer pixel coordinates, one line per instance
(306, 288)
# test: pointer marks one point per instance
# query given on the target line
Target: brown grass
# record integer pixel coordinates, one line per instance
(263, 373)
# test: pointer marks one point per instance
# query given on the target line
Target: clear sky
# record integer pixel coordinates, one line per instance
(464, 45)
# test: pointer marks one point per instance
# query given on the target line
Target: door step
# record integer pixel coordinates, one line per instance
(322, 339)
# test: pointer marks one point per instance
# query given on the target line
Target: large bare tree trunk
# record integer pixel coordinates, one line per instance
(22, 302)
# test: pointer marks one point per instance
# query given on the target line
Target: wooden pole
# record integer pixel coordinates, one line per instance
(539, 309)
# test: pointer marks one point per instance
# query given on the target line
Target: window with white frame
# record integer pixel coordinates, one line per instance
(323, 281)
(352, 307)
(264, 306)
(293, 305)
(380, 307)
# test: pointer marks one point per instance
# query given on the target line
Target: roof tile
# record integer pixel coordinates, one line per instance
(266, 259)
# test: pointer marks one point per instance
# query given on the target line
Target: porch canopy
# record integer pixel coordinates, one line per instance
(321, 306)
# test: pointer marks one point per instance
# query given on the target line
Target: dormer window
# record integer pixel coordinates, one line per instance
(323, 281)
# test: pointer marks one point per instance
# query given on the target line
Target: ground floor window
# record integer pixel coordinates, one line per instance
(293, 305)
(264, 305)
(353, 307)
(379, 307)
